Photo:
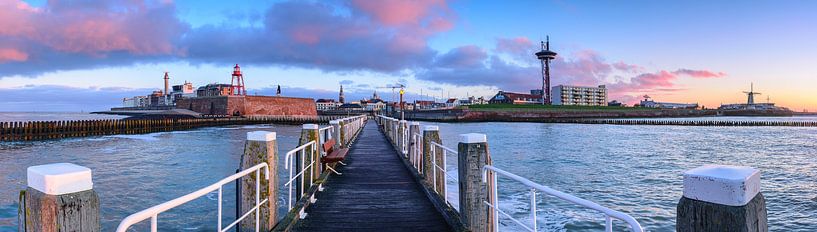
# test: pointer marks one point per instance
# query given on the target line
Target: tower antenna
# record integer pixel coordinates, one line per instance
(545, 55)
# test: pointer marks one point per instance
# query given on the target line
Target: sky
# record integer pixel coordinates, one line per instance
(86, 55)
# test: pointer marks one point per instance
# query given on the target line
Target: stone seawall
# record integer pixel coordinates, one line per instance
(249, 105)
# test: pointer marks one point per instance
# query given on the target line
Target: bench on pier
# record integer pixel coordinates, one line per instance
(333, 155)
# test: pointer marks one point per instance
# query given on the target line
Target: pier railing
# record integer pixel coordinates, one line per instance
(300, 173)
(43, 130)
(153, 212)
(431, 164)
(609, 214)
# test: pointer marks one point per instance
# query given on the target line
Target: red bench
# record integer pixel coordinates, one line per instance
(333, 155)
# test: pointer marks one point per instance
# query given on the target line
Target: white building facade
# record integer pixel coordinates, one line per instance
(579, 95)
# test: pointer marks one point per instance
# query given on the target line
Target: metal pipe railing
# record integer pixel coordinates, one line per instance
(153, 212)
(288, 164)
(441, 168)
(609, 214)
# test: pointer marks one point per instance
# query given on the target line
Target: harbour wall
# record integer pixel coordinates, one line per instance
(249, 105)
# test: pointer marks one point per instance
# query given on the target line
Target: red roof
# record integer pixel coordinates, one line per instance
(517, 96)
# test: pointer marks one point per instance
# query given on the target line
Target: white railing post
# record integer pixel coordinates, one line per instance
(473, 155)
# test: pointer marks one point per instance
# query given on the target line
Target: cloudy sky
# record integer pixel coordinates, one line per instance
(88, 55)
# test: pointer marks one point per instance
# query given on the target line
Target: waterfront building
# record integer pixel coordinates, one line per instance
(649, 103)
(503, 97)
(569, 95)
(214, 89)
(136, 101)
(423, 104)
(615, 103)
(452, 102)
(351, 107)
(374, 104)
(326, 104)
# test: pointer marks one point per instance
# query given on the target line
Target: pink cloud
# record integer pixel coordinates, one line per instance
(399, 12)
(627, 67)
(10, 54)
(700, 73)
(92, 28)
(519, 46)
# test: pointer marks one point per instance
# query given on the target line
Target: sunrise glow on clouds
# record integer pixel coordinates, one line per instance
(115, 49)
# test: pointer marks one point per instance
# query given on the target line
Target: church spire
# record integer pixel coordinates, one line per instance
(341, 98)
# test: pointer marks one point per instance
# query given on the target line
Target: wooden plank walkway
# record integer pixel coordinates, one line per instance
(375, 193)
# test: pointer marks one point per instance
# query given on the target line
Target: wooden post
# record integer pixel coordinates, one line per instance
(473, 156)
(59, 197)
(309, 133)
(260, 147)
(432, 134)
(722, 198)
(402, 127)
(414, 128)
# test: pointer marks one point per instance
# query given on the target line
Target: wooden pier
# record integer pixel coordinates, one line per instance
(376, 192)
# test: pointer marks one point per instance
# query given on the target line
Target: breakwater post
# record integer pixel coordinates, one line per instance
(59, 197)
(473, 156)
(260, 147)
(722, 198)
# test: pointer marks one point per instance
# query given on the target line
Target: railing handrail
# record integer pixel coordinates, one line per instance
(444, 147)
(634, 225)
(154, 211)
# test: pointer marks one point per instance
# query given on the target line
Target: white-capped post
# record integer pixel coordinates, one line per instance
(431, 134)
(722, 198)
(473, 155)
(59, 197)
(413, 151)
(260, 147)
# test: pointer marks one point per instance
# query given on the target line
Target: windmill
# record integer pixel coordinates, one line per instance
(751, 94)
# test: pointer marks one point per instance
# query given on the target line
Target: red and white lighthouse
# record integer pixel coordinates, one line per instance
(238, 82)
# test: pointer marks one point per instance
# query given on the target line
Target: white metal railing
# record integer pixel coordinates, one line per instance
(325, 134)
(153, 212)
(352, 124)
(609, 214)
(441, 169)
(289, 162)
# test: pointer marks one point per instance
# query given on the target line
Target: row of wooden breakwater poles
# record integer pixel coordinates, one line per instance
(60, 196)
(44, 130)
(660, 122)
(715, 197)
